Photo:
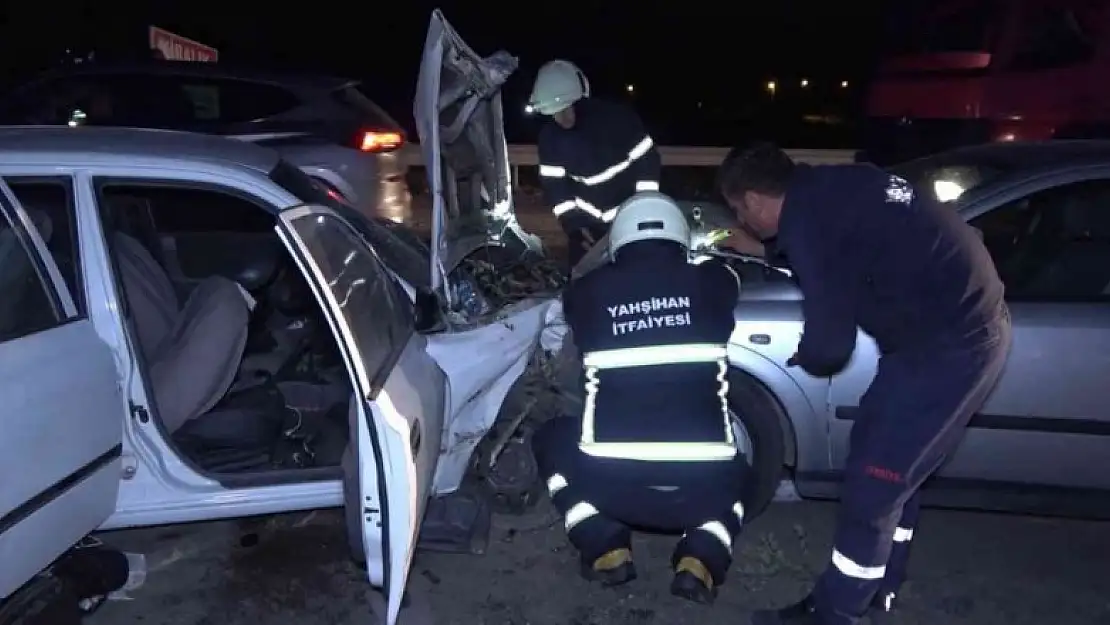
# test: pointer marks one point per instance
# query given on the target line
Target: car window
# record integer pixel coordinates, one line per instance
(378, 312)
(146, 100)
(50, 205)
(400, 248)
(173, 210)
(1053, 37)
(27, 304)
(930, 27)
(354, 97)
(235, 101)
(1053, 245)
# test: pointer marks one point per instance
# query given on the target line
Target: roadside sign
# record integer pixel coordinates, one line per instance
(174, 47)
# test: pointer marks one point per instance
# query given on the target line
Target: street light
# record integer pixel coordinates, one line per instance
(805, 83)
(629, 88)
(772, 86)
(844, 84)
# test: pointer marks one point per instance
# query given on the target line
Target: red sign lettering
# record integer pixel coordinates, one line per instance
(174, 47)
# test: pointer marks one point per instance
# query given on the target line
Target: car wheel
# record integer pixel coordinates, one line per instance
(759, 434)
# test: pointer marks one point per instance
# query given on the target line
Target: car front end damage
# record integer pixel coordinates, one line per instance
(497, 293)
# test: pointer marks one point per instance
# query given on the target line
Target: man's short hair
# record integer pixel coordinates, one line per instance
(759, 166)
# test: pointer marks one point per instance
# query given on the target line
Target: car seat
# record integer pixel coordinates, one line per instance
(192, 351)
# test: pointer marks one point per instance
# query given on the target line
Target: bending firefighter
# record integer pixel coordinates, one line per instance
(654, 446)
(594, 155)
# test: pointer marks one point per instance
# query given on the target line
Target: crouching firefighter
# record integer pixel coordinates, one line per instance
(654, 446)
(594, 155)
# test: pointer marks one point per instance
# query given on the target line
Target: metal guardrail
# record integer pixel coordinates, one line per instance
(672, 155)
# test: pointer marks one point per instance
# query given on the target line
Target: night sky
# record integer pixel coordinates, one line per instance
(692, 63)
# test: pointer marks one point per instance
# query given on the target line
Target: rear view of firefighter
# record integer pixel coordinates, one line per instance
(594, 154)
(654, 445)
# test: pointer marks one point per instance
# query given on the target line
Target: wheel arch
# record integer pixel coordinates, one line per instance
(806, 440)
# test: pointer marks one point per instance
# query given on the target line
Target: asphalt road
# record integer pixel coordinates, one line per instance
(969, 569)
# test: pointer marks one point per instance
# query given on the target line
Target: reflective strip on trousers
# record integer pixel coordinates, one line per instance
(850, 568)
(578, 512)
(903, 535)
(637, 151)
(556, 483)
(656, 451)
(579, 204)
(720, 532)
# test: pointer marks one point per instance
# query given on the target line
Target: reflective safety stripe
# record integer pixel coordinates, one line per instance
(856, 571)
(556, 483)
(738, 510)
(647, 185)
(579, 512)
(552, 171)
(720, 532)
(655, 355)
(640, 149)
(903, 535)
(594, 362)
(580, 204)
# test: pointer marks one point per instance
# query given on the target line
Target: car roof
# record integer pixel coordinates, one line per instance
(200, 70)
(88, 145)
(1022, 156)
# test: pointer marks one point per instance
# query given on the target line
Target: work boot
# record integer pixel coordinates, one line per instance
(802, 613)
(612, 569)
(693, 582)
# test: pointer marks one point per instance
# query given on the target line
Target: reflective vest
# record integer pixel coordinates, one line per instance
(597, 361)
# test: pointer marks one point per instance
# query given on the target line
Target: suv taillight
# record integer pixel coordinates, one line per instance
(380, 141)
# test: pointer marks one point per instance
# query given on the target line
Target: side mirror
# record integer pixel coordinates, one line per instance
(427, 317)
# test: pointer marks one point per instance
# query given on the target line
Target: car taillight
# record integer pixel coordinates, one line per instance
(380, 141)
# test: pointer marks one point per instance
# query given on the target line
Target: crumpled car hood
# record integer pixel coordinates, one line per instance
(462, 139)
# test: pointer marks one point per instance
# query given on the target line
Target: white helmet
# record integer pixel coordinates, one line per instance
(559, 84)
(648, 215)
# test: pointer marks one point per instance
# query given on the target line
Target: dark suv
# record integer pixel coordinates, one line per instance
(325, 125)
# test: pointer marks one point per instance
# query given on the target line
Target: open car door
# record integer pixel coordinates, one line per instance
(62, 407)
(460, 122)
(397, 408)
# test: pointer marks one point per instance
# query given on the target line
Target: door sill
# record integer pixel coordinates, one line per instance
(251, 479)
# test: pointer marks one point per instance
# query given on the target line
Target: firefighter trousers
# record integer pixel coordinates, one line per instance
(914, 414)
(603, 499)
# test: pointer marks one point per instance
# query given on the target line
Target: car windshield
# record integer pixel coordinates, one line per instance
(929, 27)
(399, 247)
(946, 180)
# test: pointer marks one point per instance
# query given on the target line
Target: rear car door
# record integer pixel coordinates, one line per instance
(400, 391)
(62, 410)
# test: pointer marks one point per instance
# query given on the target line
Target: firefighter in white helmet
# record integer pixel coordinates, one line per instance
(594, 154)
(653, 446)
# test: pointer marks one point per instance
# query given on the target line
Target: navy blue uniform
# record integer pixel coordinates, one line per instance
(654, 446)
(870, 252)
(590, 169)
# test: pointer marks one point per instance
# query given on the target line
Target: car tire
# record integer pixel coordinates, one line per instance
(761, 417)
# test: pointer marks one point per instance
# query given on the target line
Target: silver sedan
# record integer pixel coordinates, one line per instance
(1042, 441)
